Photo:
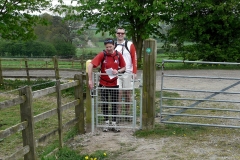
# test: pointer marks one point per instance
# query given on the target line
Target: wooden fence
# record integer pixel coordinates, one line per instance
(32, 64)
(28, 120)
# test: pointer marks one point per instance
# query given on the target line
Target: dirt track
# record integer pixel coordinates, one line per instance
(127, 146)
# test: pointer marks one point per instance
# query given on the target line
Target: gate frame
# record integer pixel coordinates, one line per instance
(198, 100)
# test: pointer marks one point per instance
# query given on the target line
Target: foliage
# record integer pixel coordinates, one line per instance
(212, 25)
(37, 49)
(67, 153)
(17, 18)
(26, 48)
(139, 18)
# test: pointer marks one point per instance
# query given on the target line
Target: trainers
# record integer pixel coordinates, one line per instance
(105, 128)
(114, 127)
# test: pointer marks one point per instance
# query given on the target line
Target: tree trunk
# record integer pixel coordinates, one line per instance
(138, 43)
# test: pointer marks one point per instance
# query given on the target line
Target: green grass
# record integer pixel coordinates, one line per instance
(166, 130)
(69, 154)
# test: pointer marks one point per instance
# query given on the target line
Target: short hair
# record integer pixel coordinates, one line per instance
(120, 28)
(108, 41)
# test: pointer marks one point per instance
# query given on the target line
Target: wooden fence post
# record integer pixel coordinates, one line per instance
(27, 70)
(149, 83)
(1, 76)
(79, 109)
(82, 63)
(59, 111)
(55, 61)
(27, 115)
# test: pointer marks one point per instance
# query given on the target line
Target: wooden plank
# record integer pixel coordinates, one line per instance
(46, 77)
(44, 115)
(43, 92)
(13, 129)
(69, 69)
(70, 104)
(69, 85)
(26, 111)
(79, 109)
(19, 154)
(47, 136)
(59, 112)
(70, 123)
(12, 102)
(13, 69)
(41, 69)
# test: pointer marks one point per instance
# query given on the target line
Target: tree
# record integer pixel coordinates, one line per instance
(213, 26)
(139, 17)
(17, 18)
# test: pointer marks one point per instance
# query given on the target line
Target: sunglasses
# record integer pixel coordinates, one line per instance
(108, 41)
(120, 33)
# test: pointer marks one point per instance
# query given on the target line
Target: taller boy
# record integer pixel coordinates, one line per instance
(129, 54)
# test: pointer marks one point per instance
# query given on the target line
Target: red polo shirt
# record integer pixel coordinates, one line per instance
(114, 61)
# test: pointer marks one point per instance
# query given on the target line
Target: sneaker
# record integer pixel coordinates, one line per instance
(114, 127)
(105, 128)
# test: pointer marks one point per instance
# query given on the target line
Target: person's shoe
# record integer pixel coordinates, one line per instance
(114, 127)
(105, 128)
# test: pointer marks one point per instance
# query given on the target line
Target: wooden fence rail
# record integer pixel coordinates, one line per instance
(28, 120)
(54, 64)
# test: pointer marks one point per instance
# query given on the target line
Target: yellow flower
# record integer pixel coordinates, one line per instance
(104, 154)
(91, 158)
(95, 158)
(86, 157)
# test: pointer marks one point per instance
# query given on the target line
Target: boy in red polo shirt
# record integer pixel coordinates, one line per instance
(112, 63)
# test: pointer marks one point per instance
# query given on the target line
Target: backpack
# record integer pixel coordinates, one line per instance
(125, 45)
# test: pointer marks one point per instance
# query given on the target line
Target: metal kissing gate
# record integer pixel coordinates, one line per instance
(198, 99)
(121, 106)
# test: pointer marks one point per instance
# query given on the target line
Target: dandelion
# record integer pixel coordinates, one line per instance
(104, 154)
(184, 135)
(95, 159)
(86, 157)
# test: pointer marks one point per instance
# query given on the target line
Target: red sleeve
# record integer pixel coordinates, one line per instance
(97, 60)
(134, 58)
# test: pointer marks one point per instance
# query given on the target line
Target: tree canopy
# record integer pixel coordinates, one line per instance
(213, 26)
(18, 17)
(140, 18)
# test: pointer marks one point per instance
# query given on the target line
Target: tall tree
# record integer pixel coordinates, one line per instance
(17, 17)
(211, 24)
(139, 17)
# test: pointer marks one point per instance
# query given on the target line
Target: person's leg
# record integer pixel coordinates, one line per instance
(127, 93)
(114, 96)
(104, 98)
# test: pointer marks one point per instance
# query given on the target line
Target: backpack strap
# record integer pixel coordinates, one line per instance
(125, 44)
